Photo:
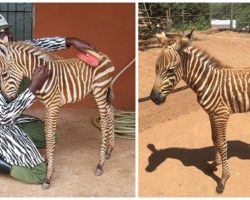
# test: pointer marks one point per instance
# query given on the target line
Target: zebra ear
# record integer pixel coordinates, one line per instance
(167, 39)
(162, 38)
(152, 147)
(190, 36)
(186, 40)
(4, 51)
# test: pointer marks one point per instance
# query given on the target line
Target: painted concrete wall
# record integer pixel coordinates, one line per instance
(110, 26)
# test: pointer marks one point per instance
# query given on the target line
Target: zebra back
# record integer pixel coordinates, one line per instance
(72, 79)
(215, 84)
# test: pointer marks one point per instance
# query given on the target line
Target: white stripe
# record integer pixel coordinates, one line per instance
(109, 70)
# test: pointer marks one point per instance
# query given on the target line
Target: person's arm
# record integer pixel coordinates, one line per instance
(80, 45)
(49, 44)
(60, 43)
(9, 112)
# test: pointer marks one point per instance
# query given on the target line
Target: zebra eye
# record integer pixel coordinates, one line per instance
(172, 70)
(171, 42)
(5, 74)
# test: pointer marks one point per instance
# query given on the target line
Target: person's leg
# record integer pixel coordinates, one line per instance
(24, 84)
(35, 130)
(4, 167)
(34, 175)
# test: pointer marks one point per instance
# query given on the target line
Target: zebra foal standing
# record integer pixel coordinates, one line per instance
(220, 90)
(70, 82)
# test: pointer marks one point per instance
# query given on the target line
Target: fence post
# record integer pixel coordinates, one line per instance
(146, 10)
(182, 13)
(168, 19)
(231, 17)
(210, 15)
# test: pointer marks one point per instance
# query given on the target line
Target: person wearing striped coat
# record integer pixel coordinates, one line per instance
(21, 135)
(18, 154)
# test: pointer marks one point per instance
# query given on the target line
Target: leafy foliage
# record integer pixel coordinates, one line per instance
(182, 16)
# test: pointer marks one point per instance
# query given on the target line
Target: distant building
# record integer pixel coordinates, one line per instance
(223, 24)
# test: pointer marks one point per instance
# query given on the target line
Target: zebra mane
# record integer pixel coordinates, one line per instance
(48, 56)
(37, 51)
(214, 62)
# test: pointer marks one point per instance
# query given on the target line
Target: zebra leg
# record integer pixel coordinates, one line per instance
(220, 124)
(217, 159)
(104, 129)
(111, 133)
(51, 115)
(101, 101)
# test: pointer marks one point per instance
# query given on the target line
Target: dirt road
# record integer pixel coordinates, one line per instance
(174, 138)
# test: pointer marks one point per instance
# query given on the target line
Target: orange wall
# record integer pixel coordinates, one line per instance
(110, 26)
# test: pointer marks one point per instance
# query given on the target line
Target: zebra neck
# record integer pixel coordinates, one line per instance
(198, 68)
(28, 57)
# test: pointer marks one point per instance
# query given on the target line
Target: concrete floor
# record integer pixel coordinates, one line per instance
(77, 154)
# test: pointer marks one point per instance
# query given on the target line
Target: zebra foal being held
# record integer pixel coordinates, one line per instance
(71, 81)
(220, 90)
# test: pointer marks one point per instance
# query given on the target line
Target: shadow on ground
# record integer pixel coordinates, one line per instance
(196, 157)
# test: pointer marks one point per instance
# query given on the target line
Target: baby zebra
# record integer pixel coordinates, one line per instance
(70, 82)
(220, 90)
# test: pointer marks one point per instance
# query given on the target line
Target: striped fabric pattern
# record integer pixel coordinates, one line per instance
(49, 44)
(16, 148)
(71, 80)
(25, 118)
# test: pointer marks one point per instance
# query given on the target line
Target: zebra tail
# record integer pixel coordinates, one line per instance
(110, 96)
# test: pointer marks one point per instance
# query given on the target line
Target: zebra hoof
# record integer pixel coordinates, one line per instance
(220, 188)
(99, 170)
(46, 184)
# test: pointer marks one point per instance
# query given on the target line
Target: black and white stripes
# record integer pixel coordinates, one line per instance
(220, 90)
(49, 44)
(16, 148)
(71, 81)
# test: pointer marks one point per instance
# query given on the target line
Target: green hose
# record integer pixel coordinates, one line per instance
(124, 124)
(124, 120)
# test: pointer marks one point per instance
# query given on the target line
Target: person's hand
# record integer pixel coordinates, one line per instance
(80, 44)
(39, 76)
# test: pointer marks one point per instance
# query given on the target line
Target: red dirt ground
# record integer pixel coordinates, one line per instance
(178, 132)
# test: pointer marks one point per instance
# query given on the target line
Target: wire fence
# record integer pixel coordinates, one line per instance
(176, 17)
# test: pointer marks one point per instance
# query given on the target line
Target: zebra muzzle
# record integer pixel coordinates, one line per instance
(8, 99)
(156, 97)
